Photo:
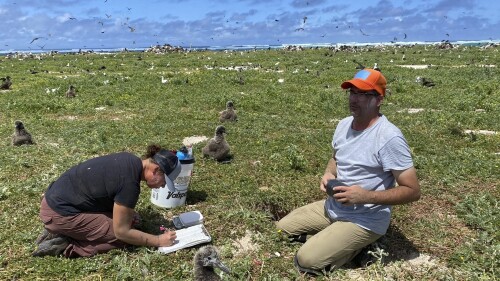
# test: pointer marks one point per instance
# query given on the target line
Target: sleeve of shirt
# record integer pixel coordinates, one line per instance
(396, 155)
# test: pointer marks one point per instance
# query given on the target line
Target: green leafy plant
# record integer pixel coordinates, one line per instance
(295, 158)
(480, 211)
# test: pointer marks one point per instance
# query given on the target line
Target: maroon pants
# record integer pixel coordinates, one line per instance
(89, 233)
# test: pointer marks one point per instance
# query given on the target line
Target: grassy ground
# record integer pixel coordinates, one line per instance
(280, 145)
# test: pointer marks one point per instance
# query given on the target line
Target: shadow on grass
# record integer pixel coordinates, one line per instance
(398, 246)
(275, 211)
(195, 196)
(395, 245)
(152, 218)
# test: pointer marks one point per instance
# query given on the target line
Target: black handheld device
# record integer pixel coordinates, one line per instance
(331, 184)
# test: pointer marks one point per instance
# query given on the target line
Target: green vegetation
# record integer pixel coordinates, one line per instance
(280, 145)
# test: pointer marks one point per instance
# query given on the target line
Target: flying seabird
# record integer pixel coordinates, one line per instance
(21, 135)
(205, 260)
(363, 33)
(228, 114)
(36, 38)
(217, 147)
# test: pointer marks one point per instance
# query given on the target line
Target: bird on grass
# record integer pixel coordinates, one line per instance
(6, 83)
(21, 135)
(425, 81)
(241, 80)
(71, 93)
(228, 114)
(217, 147)
(359, 66)
(205, 261)
(375, 67)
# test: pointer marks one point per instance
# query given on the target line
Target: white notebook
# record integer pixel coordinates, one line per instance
(188, 237)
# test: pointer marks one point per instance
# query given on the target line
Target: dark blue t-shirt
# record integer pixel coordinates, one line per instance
(96, 184)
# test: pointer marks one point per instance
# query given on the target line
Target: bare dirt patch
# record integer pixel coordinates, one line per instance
(481, 132)
(244, 245)
(415, 66)
(194, 140)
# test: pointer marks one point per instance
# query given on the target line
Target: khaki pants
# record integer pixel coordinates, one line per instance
(330, 244)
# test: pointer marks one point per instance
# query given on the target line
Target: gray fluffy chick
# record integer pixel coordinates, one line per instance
(6, 83)
(228, 114)
(205, 261)
(217, 147)
(21, 136)
(71, 93)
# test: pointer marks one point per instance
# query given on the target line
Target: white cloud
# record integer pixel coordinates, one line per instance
(63, 18)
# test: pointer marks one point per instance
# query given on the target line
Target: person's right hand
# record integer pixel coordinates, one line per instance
(167, 238)
(324, 180)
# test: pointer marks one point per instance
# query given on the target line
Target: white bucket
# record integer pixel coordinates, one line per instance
(174, 197)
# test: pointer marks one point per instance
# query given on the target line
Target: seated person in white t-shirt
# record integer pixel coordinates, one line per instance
(370, 155)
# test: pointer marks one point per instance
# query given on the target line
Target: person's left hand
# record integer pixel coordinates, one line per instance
(350, 195)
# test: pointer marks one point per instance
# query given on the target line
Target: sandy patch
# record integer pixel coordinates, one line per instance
(68, 117)
(419, 265)
(422, 260)
(244, 245)
(411, 110)
(415, 66)
(481, 132)
(194, 140)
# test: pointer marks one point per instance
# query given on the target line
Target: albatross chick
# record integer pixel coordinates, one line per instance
(217, 147)
(205, 261)
(21, 135)
(228, 114)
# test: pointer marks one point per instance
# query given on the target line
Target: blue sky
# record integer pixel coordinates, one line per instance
(61, 24)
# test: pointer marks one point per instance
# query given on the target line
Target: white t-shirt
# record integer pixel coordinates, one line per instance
(366, 158)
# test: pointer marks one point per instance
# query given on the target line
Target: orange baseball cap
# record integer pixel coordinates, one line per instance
(367, 80)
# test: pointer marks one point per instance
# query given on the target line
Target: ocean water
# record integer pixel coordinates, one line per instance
(249, 47)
